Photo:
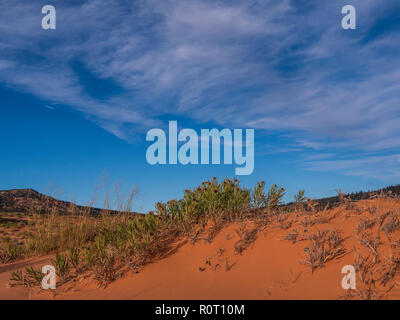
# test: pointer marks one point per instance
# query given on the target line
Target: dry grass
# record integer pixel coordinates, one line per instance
(247, 235)
(292, 236)
(107, 244)
(325, 246)
(364, 225)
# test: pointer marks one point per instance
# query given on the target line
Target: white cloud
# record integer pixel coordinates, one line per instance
(379, 167)
(274, 66)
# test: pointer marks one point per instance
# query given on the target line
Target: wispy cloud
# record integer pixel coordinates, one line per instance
(379, 167)
(277, 66)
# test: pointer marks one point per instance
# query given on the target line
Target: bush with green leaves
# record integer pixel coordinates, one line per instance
(299, 196)
(274, 196)
(258, 196)
(11, 252)
(88, 257)
(211, 199)
(74, 256)
(30, 278)
(106, 243)
(61, 264)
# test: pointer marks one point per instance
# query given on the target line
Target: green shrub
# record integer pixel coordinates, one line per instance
(61, 264)
(35, 276)
(259, 198)
(210, 199)
(30, 278)
(17, 277)
(11, 252)
(275, 195)
(299, 198)
(73, 256)
(88, 256)
(105, 242)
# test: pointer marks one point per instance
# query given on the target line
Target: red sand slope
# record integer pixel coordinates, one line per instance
(271, 268)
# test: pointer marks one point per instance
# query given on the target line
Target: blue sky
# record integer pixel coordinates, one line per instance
(76, 102)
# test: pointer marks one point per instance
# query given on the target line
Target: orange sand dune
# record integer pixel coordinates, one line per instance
(270, 268)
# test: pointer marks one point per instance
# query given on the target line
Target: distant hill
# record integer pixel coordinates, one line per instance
(29, 200)
(356, 196)
(362, 195)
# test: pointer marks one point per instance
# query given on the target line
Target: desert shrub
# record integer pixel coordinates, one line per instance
(17, 278)
(105, 268)
(10, 252)
(30, 278)
(275, 195)
(209, 200)
(141, 232)
(106, 243)
(365, 224)
(88, 257)
(74, 256)
(392, 224)
(61, 264)
(299, 199)
(258, 197)
(325, 246)
(103, 259)
(53, 232)
(246, 237)
(35, 275)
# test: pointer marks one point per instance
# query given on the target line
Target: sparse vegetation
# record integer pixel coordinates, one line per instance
(247, 235)
(299, 199)
(259, 198)
(325, 246)
(275, 195)
(108, 244)
(104, 243)
(61, 264)
(30, 278)
(10, 252)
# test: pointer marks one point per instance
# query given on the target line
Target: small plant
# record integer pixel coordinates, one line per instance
(34, 275)
(370, 243)
(247, 237)
(61, 264)
(393, 224)
(366, 269)
(325, 246)
(31, 278)
(10, 253)
(299, 196)
(105, 269)
(341, 195)
(212, 199)
(299, 199)
(258, 197)
(88, 257)
(365, 224)
(73, 256)
(315, 255)
(275, 195)
(18, 278)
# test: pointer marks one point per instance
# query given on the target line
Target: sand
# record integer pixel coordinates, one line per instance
(272, 267)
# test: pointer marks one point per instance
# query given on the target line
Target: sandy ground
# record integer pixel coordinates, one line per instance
(270, 268)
